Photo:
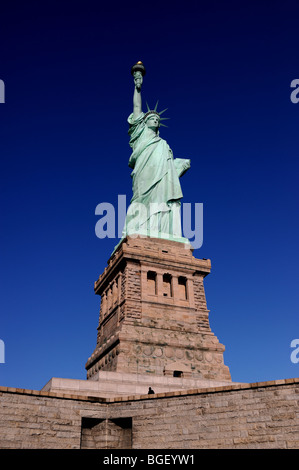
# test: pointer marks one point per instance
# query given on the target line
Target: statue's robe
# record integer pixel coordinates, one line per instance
(155, 205)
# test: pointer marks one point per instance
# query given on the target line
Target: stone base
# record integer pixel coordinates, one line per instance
(153, 317)
(253, 416)
(113, 384)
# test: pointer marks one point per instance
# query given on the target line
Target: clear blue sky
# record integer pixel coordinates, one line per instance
(224, 70)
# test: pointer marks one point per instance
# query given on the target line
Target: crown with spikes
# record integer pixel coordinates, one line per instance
(154, 111)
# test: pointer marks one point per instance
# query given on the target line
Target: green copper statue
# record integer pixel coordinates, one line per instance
(155, 205)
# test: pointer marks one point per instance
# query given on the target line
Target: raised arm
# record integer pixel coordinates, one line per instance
(137, 104)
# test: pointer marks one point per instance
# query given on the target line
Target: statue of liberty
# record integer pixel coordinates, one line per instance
(155, 206)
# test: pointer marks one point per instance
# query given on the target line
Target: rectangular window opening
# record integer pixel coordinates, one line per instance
(152, 283)
(178, 373)
(182, 288)
(167, 287)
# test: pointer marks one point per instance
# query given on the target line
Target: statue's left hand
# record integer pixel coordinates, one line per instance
(181, 165)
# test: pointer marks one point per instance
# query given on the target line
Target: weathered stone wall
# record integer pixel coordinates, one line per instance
(263, 415)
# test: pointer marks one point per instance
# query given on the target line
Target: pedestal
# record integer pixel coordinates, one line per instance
(154, 319)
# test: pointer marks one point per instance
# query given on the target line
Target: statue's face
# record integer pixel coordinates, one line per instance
(153, 122)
